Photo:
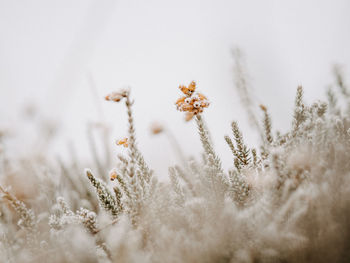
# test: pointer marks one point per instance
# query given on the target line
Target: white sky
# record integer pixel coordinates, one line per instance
(49, 50)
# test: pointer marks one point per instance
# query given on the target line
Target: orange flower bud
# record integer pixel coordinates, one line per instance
(123, 142)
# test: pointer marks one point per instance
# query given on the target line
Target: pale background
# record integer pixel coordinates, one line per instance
(53, 52)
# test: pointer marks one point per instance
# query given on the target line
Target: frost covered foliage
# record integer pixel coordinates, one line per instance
(287, 200)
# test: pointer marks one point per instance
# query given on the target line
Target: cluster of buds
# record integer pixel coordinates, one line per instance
(193, 102)
(116, 96)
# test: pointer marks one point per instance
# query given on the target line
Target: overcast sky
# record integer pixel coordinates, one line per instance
(53, 52)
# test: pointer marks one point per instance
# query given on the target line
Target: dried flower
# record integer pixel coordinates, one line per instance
(116, 96)
(192, 103)
(156, 128)
(123, 142)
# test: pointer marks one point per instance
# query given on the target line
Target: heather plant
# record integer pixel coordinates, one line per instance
(285, 200)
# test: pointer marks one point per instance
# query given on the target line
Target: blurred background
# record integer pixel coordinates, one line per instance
(58, 59)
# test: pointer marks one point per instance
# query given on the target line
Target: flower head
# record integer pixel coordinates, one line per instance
(192, 103)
